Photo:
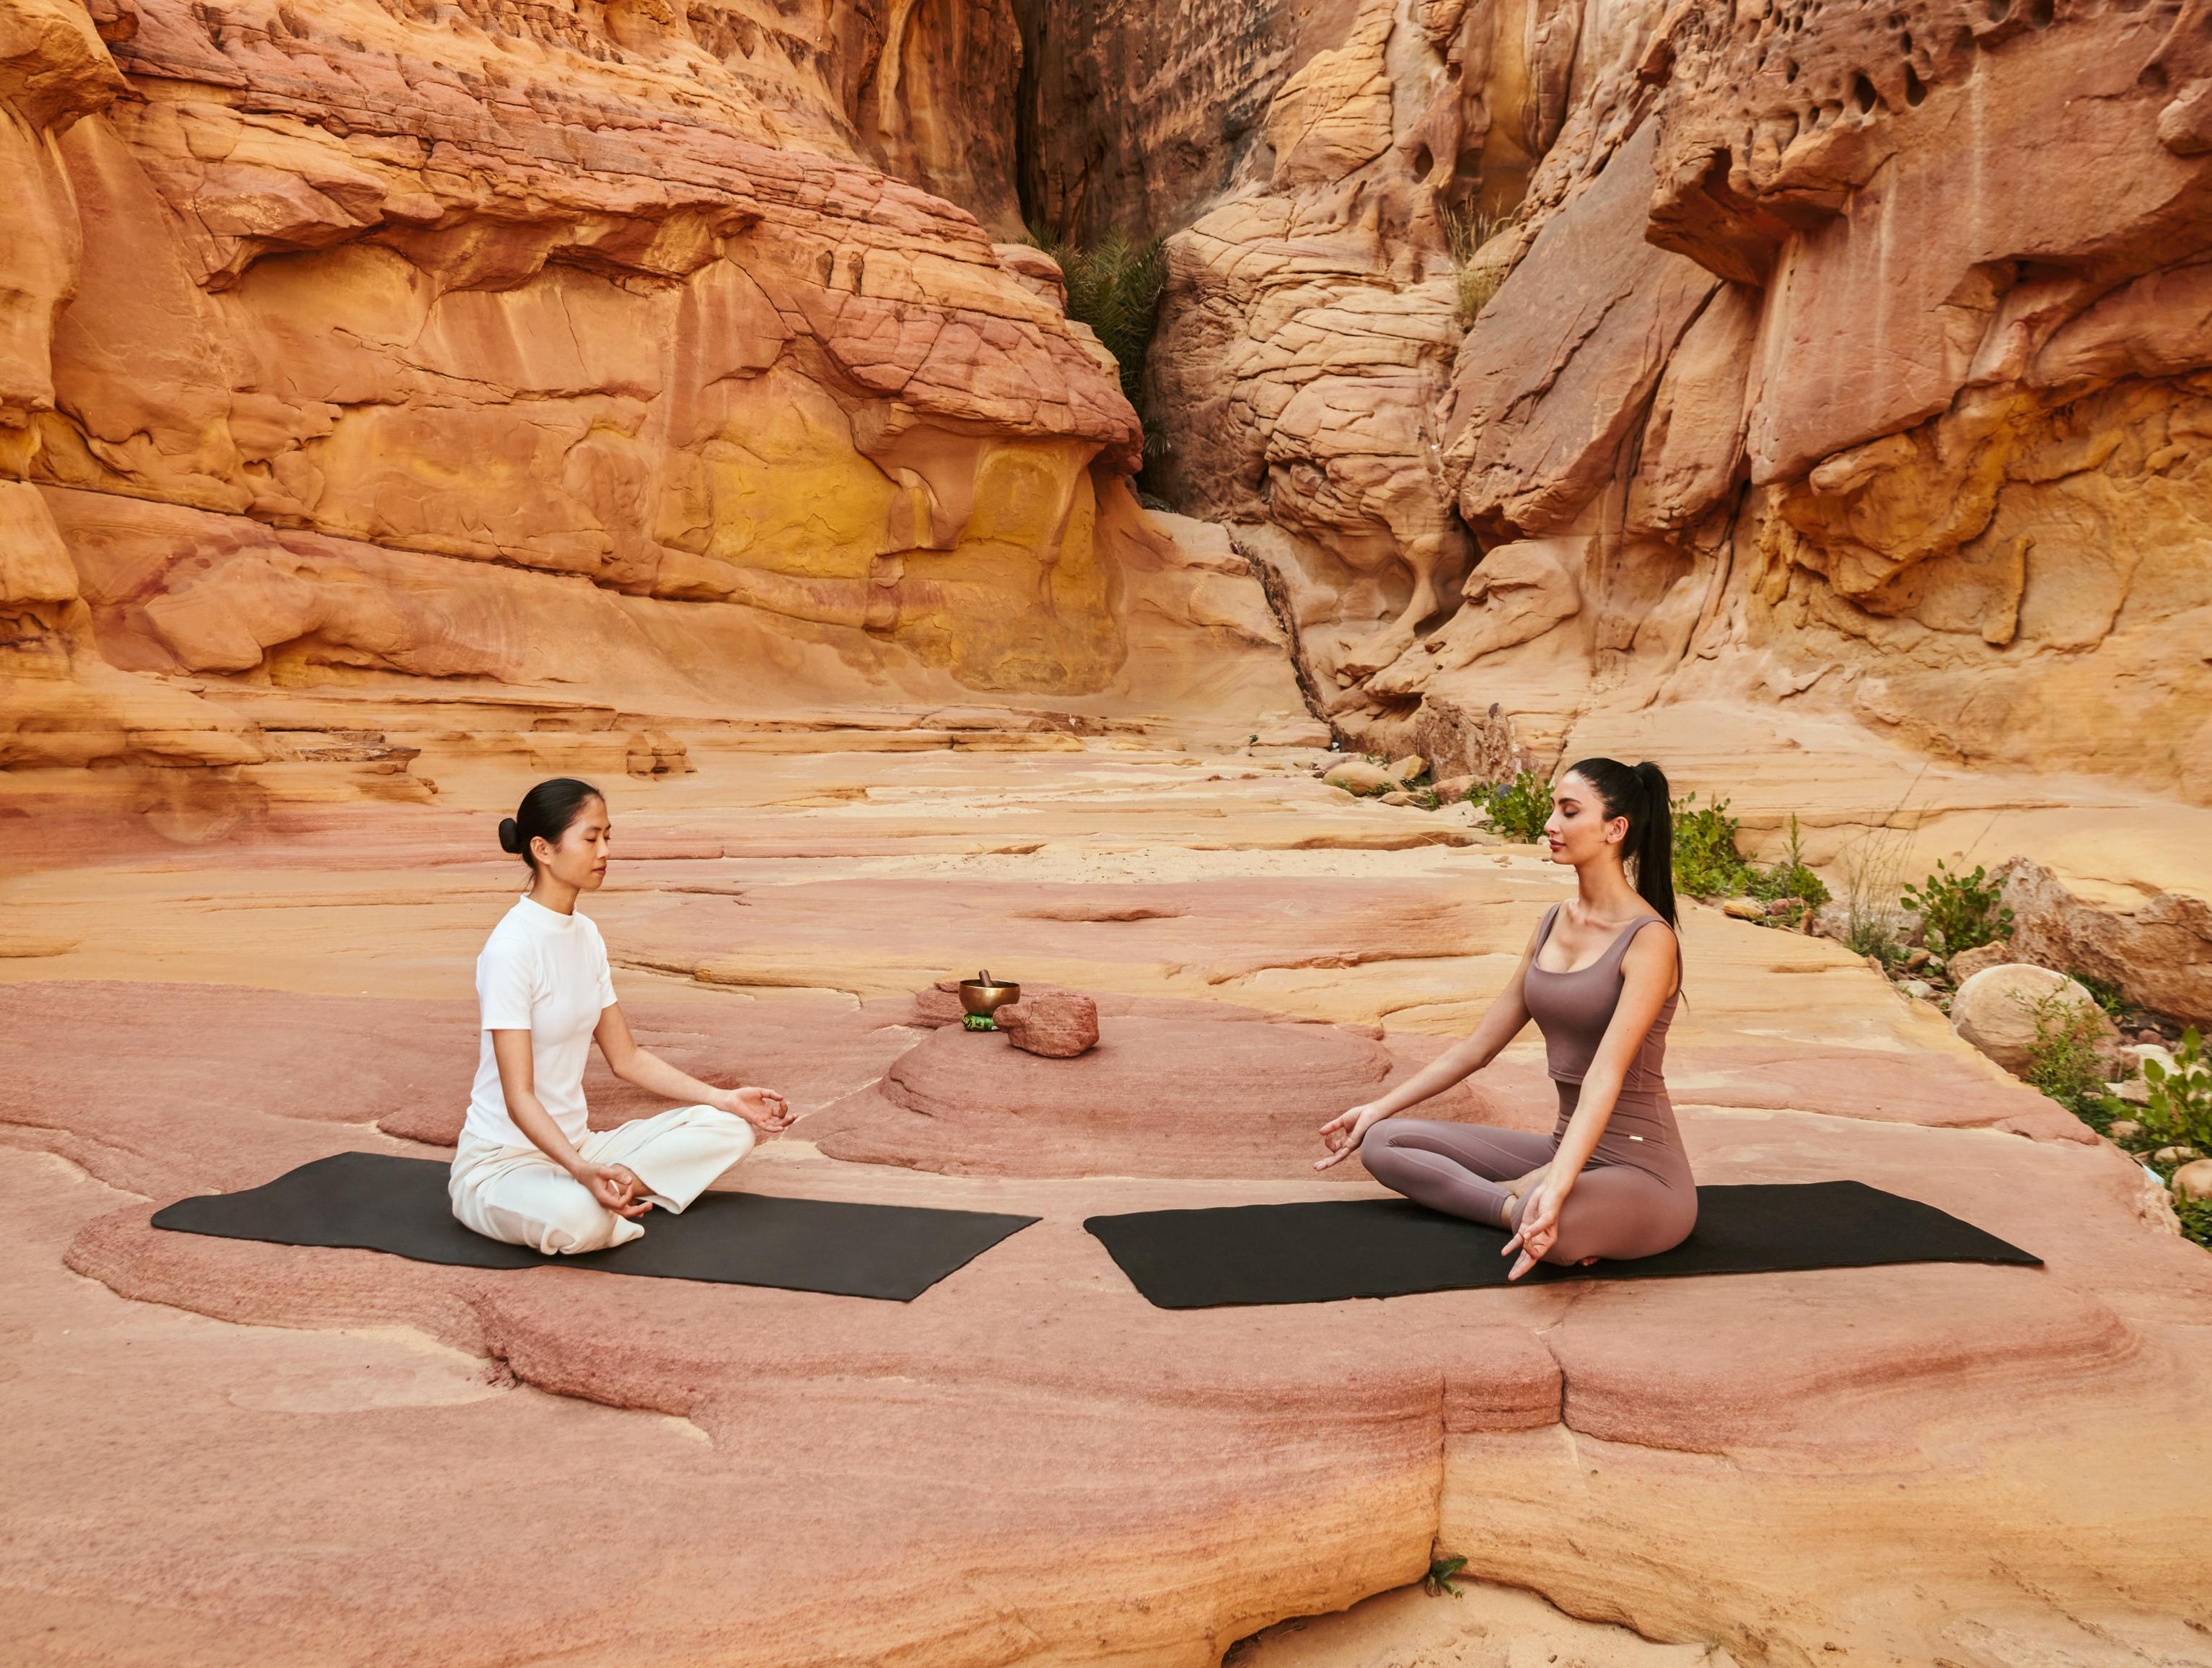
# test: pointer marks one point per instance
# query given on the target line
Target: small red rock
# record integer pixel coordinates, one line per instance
(1058, 1024)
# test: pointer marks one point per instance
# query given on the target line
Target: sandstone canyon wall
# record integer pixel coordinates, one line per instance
(1848, 356)
(355, 346)
(1824, 362)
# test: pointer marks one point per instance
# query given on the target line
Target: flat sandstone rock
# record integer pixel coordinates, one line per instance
(1888, 1460)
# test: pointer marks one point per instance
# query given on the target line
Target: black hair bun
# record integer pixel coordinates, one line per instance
(510, 835)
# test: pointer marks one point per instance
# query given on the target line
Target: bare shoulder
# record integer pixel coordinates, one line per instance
(1535, 933)
(1656, 952)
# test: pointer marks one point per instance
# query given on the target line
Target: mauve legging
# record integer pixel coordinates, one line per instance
(1618, 1209)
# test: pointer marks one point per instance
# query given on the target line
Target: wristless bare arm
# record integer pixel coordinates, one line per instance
(763, 1108)
(1502, 1022)
(612, 1185)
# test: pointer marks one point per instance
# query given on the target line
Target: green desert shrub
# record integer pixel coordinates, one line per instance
(1706, 862)
(2195, 1220)
(2061, 1059)
(1869, 934)
(1518, 808)
(1438, 1581)
(2106, 995)
(1115, 288)
(1959, 912)
(2179, 1111)
(1791, 877)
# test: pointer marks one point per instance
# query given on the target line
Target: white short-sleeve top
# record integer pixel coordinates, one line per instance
(546, 974)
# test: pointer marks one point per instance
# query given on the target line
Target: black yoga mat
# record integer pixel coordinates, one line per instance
(377, 1201)
(1325, 1251)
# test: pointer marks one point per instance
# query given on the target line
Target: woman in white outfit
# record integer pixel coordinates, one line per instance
(528, 1169)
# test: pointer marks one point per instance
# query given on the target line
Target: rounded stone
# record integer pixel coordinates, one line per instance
(1360, 776)
(1995, 1009)
(2192, 1182)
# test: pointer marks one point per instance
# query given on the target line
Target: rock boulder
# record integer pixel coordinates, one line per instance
(1968, 962)
(1058, 1024)
(2158, 949)
(1360, 776)
(1995, 1009)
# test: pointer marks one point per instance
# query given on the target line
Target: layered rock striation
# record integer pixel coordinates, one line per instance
(549, 349)
(1841, 356)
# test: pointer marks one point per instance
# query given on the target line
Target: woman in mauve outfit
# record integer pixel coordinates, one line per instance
(1600, 977)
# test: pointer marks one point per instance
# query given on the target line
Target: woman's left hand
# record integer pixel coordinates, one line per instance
(763, 1108)
(1540, 1226)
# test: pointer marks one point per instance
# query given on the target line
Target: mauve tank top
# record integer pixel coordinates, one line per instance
(1573, 1009)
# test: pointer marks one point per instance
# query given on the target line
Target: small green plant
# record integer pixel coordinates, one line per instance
(1960, 911)
(2061, 1059)
(2196, 1217)
(1706, 862)
(1874, 869)
(2106, 995)
(1438, 1581)
(2179, 1111)
(1791, 877)
(1518, 808)
(1115, 288)
(1872, 935)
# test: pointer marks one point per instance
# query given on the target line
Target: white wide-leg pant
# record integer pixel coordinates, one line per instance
(519, 1195)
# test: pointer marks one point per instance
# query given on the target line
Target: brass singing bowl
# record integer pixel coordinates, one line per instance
(979, 996)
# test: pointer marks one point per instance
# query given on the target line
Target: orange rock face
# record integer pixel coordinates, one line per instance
(543, 351)
(1815, 388)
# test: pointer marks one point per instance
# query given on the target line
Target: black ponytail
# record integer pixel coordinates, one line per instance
(1640, 795)
(546, 813)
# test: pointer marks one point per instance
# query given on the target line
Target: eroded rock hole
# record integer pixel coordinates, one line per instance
(1863, 95)
(2041, 12)
(1914, 91)
(1998, 10)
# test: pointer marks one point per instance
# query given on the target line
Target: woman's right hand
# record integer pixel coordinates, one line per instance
(1520, 1190)
(763, 1108)
(1343, 1133)
(613, 1187)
